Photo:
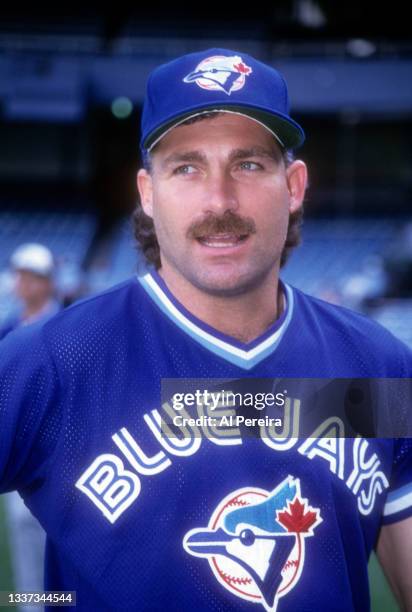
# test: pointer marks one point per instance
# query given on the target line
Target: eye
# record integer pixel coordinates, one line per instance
(250, 165)
(247, 537)
(185, 169)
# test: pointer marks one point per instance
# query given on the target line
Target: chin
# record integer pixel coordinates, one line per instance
(227, 285)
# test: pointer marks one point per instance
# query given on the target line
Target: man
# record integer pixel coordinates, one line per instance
(141, 517)
(33, 267)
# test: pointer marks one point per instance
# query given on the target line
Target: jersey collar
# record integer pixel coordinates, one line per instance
(245, 356)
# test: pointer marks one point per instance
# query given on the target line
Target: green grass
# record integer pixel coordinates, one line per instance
(382, 599)
(6, 575)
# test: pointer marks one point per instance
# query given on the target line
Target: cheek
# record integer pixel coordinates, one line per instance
(33, 287)
(172, 210)
(272, 211)
(21, 283)
(168, 220)
(43, 287)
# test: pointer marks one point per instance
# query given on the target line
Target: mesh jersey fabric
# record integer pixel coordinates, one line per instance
(124, 508)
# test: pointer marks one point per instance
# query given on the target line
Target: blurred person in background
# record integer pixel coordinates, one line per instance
(363, 290)
(34, 269)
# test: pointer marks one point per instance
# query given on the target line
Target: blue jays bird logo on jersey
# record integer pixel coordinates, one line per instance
(255, 541)
(220, 73)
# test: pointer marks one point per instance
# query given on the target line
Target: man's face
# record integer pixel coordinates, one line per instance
(220, 197)
(32, 288)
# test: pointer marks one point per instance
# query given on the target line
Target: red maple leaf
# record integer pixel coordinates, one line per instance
(296, 519)
(242, 68)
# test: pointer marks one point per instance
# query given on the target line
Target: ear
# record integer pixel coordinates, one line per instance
(145, 187)
(297, 178)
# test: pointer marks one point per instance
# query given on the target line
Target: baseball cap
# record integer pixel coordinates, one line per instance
(33, 257)
(217, 80)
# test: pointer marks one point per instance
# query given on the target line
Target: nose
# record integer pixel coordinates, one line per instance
(220, 193)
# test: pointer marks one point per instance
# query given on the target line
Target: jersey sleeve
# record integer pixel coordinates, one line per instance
(398, 504)
(28, 400)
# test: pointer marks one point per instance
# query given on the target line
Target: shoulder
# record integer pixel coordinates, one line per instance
(8, 326)
(353, 334)
(340, 319)
(105, 302)
(95, 312)
(83, 324)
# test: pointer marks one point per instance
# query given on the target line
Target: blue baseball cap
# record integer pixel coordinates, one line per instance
(217, 80)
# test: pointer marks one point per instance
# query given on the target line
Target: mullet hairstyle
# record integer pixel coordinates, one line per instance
(143, 226)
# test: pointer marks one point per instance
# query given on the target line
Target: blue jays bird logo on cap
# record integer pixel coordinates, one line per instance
(255, 541)
(220, 73)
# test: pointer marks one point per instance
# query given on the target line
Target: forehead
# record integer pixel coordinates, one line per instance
(225, 130)
(25, 274)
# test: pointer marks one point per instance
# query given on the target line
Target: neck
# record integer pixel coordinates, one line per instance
(34, 308)
(244, 317)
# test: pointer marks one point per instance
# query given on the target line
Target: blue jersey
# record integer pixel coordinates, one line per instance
(138, 519)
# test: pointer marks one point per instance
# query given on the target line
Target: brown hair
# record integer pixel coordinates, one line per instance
(143, 226)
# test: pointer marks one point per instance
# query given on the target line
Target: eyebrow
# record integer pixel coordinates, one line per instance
(256, 151)
(187, 156)
(236, 154)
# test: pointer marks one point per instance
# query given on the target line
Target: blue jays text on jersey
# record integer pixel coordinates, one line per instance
(139, 520)
(113, 488)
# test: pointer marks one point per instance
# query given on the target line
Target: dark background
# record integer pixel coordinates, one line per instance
(348, 65)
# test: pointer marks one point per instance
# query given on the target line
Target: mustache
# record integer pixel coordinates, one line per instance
(228, 223)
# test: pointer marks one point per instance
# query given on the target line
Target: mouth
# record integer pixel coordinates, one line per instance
(222, 241)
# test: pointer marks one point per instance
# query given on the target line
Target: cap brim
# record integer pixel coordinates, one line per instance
(289, 133)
